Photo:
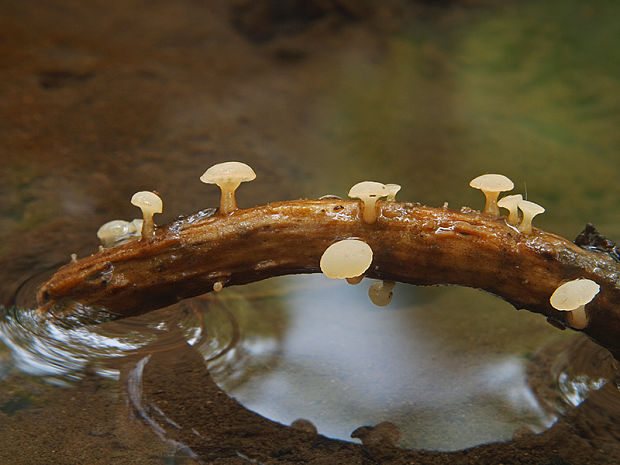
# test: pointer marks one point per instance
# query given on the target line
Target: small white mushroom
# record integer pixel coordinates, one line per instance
(510, 203)
(491, 185)
(392, 190)
(530, 210)
(381, 292)
(149, 203)
(118, 232)
(368, 192)
(346, 259)
(228, 176)
(572, 297)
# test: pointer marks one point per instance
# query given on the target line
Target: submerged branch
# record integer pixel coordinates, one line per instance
(411, 244)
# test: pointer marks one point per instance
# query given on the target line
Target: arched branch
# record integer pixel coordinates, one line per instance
(411, 244)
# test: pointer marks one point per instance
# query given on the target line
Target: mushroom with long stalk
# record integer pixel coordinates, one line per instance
(572, 297)
(150, 203)
(228, 176)
(368, 192)
(491, 185)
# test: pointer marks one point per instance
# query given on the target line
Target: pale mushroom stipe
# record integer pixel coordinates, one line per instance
(149, 203)
(228, 176)
(491, 185)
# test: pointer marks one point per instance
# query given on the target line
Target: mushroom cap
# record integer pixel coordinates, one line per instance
(392, 189)
(346, 259)
(230, 171)
(509, 201)
(492, 183)
(530, 207)
(573, 294)
(368, 189)
(114, 229)
(147, 201)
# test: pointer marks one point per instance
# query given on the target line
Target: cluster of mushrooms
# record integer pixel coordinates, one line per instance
(350, 258)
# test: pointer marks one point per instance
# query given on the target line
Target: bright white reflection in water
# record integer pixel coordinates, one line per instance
(436, 362)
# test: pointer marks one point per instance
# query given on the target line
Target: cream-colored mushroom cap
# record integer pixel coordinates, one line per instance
(346, 259)
(392, 190)
(573, 294)
(492, 182)
(368, 192)
(228, 172)
(491, 185)
(113, 230)
(228, 176)
(147, 202)
(510, 202)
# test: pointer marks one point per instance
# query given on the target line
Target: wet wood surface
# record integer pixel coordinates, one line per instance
(411, 244)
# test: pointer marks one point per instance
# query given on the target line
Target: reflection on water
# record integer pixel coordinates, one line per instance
(345, 363)
(528, 89)
(341, 362)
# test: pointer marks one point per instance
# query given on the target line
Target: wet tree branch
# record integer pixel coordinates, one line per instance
(411, 244)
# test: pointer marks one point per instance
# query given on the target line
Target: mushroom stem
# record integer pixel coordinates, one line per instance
(228, 203)
(369, 210)
(578, 319)
(526, 223)
(491, 208)
(148, 227)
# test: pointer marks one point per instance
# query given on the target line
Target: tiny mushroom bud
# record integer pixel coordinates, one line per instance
(530, 210)
(510, 203)
(380, 293)
(149, 203)
(346, 259)
(572, 297)
(117, 232)
(355, 280)
(392, 190)
(491, 185)
(228, 176)
(368, 192)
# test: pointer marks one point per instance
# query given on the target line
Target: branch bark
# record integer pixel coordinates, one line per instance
(411, 244)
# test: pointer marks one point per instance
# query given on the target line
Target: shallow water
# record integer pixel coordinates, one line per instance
(524, 89)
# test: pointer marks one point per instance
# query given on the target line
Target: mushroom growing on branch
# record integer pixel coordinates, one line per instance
(368, 192)
(572, 297)
(530, 210)
(510, 203)
(491, 185)
(380, 293)
(346, 259)
(228, 176)
(149, 203)
(392, 190)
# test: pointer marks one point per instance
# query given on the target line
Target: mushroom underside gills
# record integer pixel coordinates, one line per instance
(411, 244)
